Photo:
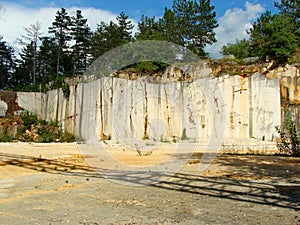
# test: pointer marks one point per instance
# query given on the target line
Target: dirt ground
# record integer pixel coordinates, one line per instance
(56, 184)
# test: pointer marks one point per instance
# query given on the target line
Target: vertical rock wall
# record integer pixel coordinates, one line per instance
(231, 107)
(290, 90)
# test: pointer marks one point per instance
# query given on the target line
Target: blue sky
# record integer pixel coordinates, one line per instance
(234, 16)
(136, 8)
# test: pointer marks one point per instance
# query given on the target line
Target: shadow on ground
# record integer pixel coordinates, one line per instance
(267, 180)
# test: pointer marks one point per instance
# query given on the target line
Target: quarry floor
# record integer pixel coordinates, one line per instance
(54, 184)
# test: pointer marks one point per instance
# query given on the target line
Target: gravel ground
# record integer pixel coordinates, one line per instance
(63, 189)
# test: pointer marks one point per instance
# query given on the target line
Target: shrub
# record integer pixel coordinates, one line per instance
(290, 143)
(46, 136)
(28, 119)
(5, 137)
(183, 135)
(67, 137)
(36, 130)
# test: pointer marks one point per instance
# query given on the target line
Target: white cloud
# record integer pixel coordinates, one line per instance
(233, 25)
(14, 17)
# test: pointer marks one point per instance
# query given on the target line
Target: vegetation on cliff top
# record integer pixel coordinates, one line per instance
(70, 45)
(272, 37)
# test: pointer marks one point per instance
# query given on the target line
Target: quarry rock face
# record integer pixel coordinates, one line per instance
(230, 108)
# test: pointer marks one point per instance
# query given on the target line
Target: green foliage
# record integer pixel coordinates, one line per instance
(295, 57)
(240, 49)
(42, 122)
(149, 29)
(36, 130)
(46, 136)
(81, 49)
(111, 35)
(196, 21)
(290, 8)
(27, 88)
(7, 63)
(67, 137)
(4, 137)
(59, 82)
(28, 119)
(183, 135)
(290, 142)
(190, 24)
(146, 67)
(71, 45)
(66, 89)
(61, 29)
(125, 27)
(274, 36)
(31, 48)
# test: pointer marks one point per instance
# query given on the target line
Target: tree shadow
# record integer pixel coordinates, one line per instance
(279, 188)
(53, 166)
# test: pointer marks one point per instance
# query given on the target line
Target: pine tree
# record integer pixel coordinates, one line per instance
(182, 14)
(26, 64)
(125, 26)
(47, 59)
(196, 23)
(7, 63)
(61, 28)
(149, 29)
(81, 49)
(289, 8)
(273, 36)
(169, 24)
(105, 38)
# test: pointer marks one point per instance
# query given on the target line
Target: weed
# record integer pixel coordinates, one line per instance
(67, 137)
(28, 119)
(73, 167)
(184, 136)
(290, 143)
(46, 136)
(5, 137)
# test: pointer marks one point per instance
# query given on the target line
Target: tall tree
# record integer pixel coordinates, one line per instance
(149, 29)
(105, 38)
(47, 59)
(61, 28)
(289, 8)
(81, 49)
(111, 35)
(273, 36)
(31, 39)
(26, 64)
(182, 16)
(7, 63)
(196, 23)
(169, 24)
(125, 26)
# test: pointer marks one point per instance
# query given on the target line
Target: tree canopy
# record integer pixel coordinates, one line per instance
(70, 45)
(240, 49)
(272, 36)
